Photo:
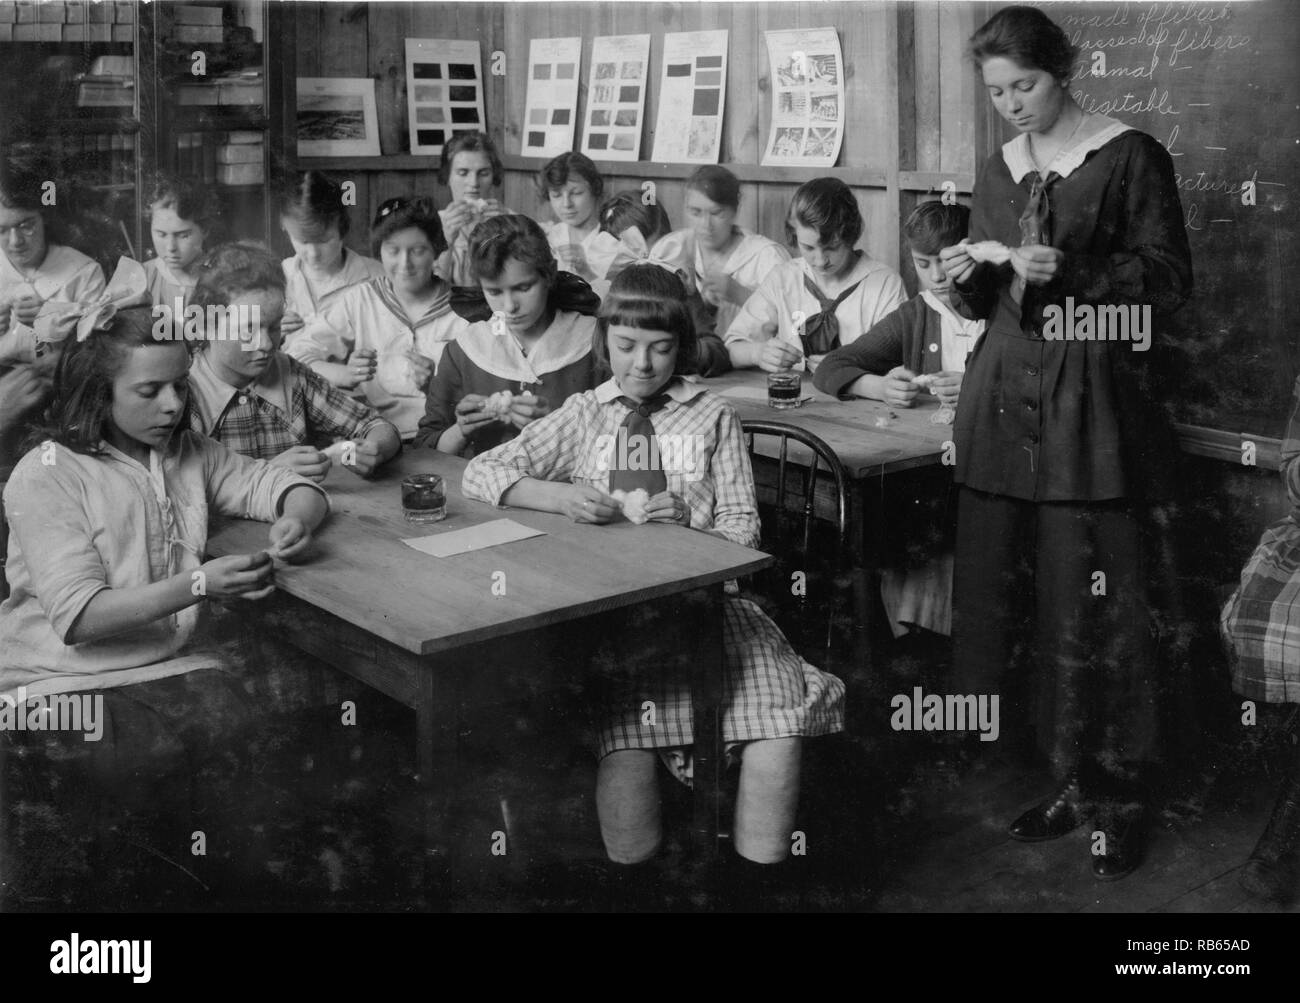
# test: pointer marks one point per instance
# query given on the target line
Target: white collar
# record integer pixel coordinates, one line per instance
(1015, 154)
(677, 389)
(212, 395)
(960, 326)
(566, 341)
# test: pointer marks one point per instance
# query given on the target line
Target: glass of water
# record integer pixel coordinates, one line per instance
(424, 498)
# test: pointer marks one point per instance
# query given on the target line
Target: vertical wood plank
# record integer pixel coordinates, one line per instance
(386, 47)
(958, 84)
(930, 79)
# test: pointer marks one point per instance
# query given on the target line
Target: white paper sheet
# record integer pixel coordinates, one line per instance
(807, 70)
(616, 97)
(551, 104)
(692, 96)
(462, 541)
(444, 91)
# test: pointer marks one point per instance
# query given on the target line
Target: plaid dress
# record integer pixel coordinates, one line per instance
(1261, 622)
(771, 691)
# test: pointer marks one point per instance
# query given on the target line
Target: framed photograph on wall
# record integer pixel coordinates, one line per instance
(337, 117)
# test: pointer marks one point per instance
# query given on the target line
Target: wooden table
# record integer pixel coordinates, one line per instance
(872, 440)
(421, 629)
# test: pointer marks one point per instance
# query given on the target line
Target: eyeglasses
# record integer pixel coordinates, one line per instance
(27, 228)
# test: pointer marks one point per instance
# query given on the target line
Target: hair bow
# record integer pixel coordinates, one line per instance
(128, 287)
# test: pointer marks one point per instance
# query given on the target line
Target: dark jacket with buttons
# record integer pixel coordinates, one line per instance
(1052, 420)
(911, 336)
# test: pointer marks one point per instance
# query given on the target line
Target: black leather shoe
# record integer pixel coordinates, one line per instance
(1270, 872)
(1125, 828)
(1059, 814)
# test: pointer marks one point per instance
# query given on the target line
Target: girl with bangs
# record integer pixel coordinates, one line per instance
(578, 461)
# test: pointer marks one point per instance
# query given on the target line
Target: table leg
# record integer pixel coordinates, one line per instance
(864, 555)
(438, 764)
(707, 702)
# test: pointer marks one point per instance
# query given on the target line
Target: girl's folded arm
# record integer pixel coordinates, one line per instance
(328, 335)
(115, 611)
(438, 428)
(545, 450)
(875, 353)
(48, 519)
(735, 505)
(245, 488)
(747, 326)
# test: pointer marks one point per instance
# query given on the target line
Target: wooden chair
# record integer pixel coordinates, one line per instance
(804, 506)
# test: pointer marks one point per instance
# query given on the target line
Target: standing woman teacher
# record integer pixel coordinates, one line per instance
(1064, 452)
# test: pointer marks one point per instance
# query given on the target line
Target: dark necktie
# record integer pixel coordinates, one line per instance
(636, 442)
(1035, 222)
(821, 331)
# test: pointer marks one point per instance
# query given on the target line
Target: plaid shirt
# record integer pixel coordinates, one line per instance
(289, 405)
(571, 444)
(772, 692)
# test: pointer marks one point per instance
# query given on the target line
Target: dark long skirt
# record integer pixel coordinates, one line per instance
(1072, 653)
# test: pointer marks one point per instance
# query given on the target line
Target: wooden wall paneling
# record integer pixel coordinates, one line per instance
(746, 90)
(388, 28)
(927, 82)
(307, 18)
(343, 42)
(875, 89)
(960, 89)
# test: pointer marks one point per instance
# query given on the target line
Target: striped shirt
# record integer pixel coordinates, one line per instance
(700, 441)
(287, 406)
(369, 316)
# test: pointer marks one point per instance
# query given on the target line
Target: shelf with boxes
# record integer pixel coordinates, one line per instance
(51, 21)
(211, 65)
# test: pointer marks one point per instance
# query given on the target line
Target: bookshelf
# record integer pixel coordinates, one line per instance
(118, 91)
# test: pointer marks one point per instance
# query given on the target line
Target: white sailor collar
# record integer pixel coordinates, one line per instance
(492, 348)
(1015, 154)
(677, 389)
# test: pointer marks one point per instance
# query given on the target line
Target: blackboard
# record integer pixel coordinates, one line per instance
(1219, 85)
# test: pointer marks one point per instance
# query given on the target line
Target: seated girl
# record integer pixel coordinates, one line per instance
(182, 219)
(109, 521)
(723, 261)
(573, 187)
(629, 228)
(829, 296)
(926, 342)
(924, 337)
(256, 400)
(384, 337)
(1261, 626)
(562, 463)
(533, 351)
(313, 215)
(471, 169)
(36, 271)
